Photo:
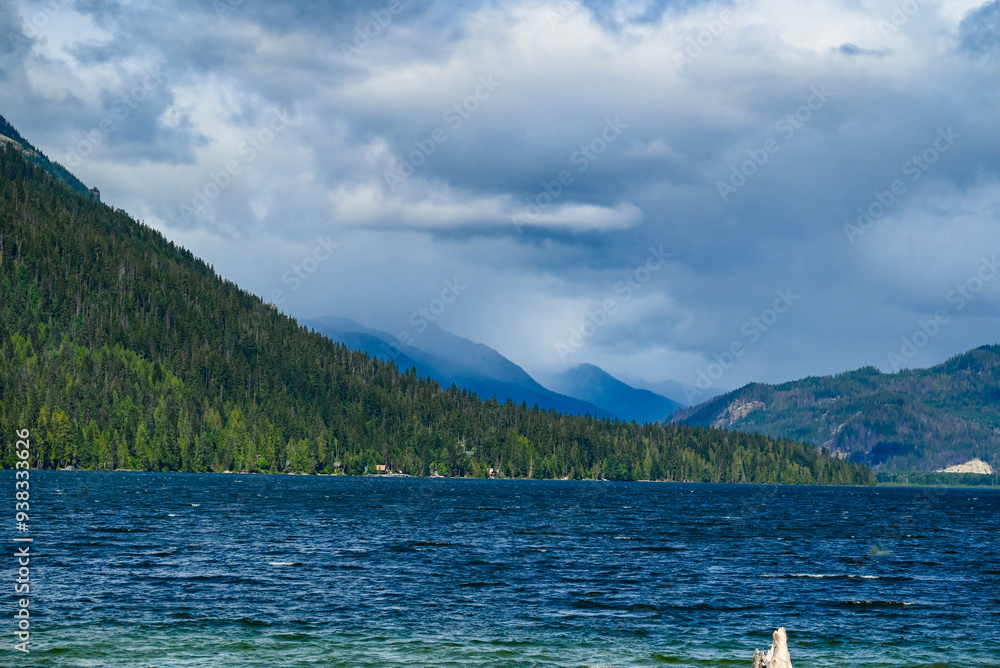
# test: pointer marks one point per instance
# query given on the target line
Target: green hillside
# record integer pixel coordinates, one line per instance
(119, 349)
(922, 419)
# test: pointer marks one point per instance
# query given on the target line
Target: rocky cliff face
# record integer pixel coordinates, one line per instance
(735, 411)
(973, 466)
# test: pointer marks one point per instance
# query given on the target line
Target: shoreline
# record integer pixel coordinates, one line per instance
(911, 485)
(905, 485)
(439, 477)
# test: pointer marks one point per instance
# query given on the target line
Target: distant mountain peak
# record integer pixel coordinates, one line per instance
(451, 359)
(591, 383)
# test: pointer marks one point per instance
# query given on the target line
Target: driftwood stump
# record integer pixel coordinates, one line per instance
(777, 656)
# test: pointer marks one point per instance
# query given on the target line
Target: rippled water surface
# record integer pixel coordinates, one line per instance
(140, 569)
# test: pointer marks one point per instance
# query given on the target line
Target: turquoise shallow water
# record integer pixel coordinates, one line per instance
(138, 569)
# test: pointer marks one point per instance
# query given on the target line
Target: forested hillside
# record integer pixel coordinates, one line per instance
(120, 350)
(919, 419)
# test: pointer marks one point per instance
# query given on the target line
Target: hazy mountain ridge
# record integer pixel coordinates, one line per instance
(593, 384)
(478, 357)
(919, 419)
(450, 359)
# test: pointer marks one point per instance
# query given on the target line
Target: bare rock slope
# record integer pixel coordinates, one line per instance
(976, 465)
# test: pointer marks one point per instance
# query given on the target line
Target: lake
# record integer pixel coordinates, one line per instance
(145, 569)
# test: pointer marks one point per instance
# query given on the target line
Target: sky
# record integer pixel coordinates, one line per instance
(709, 192)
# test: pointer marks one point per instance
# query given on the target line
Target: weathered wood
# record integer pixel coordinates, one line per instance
(777, 656)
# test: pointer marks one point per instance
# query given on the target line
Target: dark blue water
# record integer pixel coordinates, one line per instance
(135, 569)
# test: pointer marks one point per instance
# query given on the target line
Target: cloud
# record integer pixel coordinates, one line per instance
(538, 150)
(855, 50)
(980, 30)
(439, 208)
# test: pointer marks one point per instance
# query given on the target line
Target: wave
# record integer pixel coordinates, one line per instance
(479, 585)
(835, 576)
(657, 548)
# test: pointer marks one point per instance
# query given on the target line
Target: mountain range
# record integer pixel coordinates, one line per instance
(597, 386)
(919, 419)
(451, 359)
